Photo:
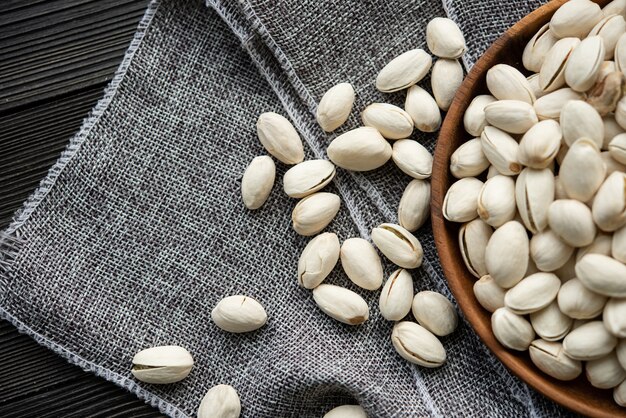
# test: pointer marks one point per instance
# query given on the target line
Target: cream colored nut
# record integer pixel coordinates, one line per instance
(318, 259)
(615, 7)
(417, 345)
(617, 148)
(280, 138)
(548, 251)
(239, 314)
(571, 220)
(468, 160)
(578, 302)
(473, 239)
(308, 177)
(423, 109)
(559, 191)
(398, 245)
(391, 121)
(489, 294)
(513, 116)
(537, 48)
(610, 28)
(335, 107)
(611, 130)
(496, 201)
(618, 245)
(313, 213)
(601, 245)
(533, 82)
(361, 263)
(534, 193)
(511, 330)
(257, 181)
(444, 38)
(621, 352)
(550, 105)
(619, 394)
(540, 145)
(609, 204)
(568, 270)
(221, 401)
(435, 312)
(575, 18)
(550, 358)
(589, 342)
(614, 317)
(412, 158)
(620, 54)
(532, 293)
(605, 94)
(552, 73)
(583, 65)
(162, 365)
(361, 149)
(341, 304)
(346, 411)
(414, 206)
(507, 254)
(396, 296)
(507, 83)
(403, 71)
(461, 201)
(445, 79)
(620, 113)
(501, 150)
(582, 171)
(474, 118)
(602, 274)
(611, 165)
(492, 171)
(606, 68)
(581, 120)
(550, 323)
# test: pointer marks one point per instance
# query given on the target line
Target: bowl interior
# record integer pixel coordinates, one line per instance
(577, 395)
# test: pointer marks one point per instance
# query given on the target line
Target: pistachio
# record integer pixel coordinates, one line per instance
(398, 245)
(620, 54)
(548, 251)
(533, 82)
(552, 73)
(361, 149)
(501, 150)
(507, 83)
(496, 201)
(550, 105)
(537, 48)
(257, 181)
(605, 94)
(434, 312)
(341, 304)
(318, 259)
(575, 18)
(280, 138)
(559, 191)
(473, 239)
(396, 296)
(221, 401)
(474, 118)
(507, 253)
(414, 206)
(583, 65)
(578, 302)
(610, 164)
(605, 372)
(618, 245)
(308, 177)
(461, 201)
(571, 220)
(550, 358)
(550, 323)
(313, 213)
(601, 245)
(534, 193)
(391, 121)
(609, 205)
(589, 342)
(614, 317)
(540, 145)
(423, 109)
(404, 71)
(511, 330)
(239, 314)
(492, 171)
(568, 270)
(617, 148)
(617, 7)
(346, 411)
(417, 345)
(582, 171)
(513, 116)
(412, 158)
(468, 160)
(444, 38)
(621, 352)
(162, 365)
(611, 130)
(606, 68)
(610, 28)
(619, 394)
(361, 263)
(446, 77)
(533, 293)
(581, 120)
(335, 107)
(620, 113)
(489, 294)
(602, 274)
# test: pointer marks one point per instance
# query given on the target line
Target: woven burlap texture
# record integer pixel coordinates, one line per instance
(139, 230)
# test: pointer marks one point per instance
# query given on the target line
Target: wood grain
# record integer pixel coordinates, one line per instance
(578, 395)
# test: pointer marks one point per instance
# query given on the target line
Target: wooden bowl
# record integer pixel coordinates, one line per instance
(577, 395)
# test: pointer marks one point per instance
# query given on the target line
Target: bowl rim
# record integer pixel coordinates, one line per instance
(448, 254)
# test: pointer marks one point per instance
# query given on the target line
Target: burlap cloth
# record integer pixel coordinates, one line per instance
(139, 229)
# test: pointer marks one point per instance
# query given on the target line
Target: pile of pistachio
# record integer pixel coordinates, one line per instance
(545, 231)
(361, 149)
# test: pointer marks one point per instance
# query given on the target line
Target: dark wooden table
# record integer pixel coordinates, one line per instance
(56, 57)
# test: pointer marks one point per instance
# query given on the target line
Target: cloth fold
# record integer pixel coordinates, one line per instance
(139, 230)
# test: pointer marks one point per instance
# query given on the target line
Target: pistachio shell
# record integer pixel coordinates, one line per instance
(507, 254)
(550, 323)
(601, 245)
(589, 342)
(341, 304)
(280, 138)
(534, 193)
(610, 164)
(346, 411)
(412, 158)
(513, 116)
(533, 82)
(575, 18)
(620, 54)
(308, 177)
(221, 401)
(532, 293)
(501, 150)
(162, 365)
(511, 330)
(549, 106)
(396, 296)
(474, 118)
(571, 220)
(434, 312)
(615, 317)
(361, 263)
(537, 48)
(583, 65)
(507, 83)
(417, 345)
(461, 201)
(423, 109)
(617, 7)
(445, 79)
(602, 274)
(335, 107)
(398, 245)
(540, 145)
(605, 372)
(444, 38)
(257, 181)
(618, 245)
(610, 28)
(552, 73)
(404, 71)
(578, 302)
(391, 121)
(489, 294)
(414, 206)
(609, 205)
(239, 314)
(318, 259)
(550, 358)
(496, 201)
(361, 149)
(617, 148)
(313, 213)
(548, 251)
(468, 160)
(582, 171)
(473, 239)
(606, 92)
(611, 130)
(581, 120)
(619, 394)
